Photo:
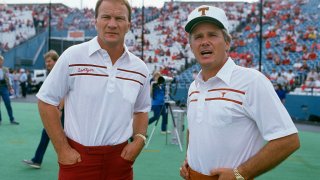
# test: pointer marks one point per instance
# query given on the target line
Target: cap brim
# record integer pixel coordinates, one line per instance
(190, 25)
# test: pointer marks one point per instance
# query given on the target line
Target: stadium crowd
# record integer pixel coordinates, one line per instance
(291, 45)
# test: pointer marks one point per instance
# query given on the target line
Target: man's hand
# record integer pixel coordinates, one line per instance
(223, 173)
(184, 173)
(69, 156)
(132, 150)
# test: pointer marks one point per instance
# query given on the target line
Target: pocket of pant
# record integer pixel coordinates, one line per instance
(127, 161)
(69, 166)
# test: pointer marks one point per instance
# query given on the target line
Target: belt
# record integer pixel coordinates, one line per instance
(96, 149)
(194, 175)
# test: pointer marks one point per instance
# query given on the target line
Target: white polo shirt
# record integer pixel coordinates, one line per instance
(230, 117)
(100, 98)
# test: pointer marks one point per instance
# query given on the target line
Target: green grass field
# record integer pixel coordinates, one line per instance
(160, 161)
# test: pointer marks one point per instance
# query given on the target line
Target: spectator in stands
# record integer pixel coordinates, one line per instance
(291, 76)
(305, 55)
(276, 59)
(286, 60)
(313, 74)
(312, 55)
(98, 78)
(281, 92)
(5, 89)
(282, 80)
(273, 75)
(268, 44)
(269, 54)
(50, 58)
(317, 83)
(304, 69)
(297, 65)
(227, 101)
(310, 83)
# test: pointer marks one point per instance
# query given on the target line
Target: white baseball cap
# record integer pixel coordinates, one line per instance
(206, 13)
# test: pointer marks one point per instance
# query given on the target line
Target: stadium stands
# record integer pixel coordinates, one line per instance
(290, 36)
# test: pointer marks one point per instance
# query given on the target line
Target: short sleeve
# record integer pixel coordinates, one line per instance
(265, 108)
(55, 87)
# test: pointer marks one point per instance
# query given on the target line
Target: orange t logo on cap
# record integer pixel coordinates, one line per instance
(203, 10)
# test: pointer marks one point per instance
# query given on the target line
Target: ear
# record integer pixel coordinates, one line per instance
(189, 39)
(129, 26)
(228, 46)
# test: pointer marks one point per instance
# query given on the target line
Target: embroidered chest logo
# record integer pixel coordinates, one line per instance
(223, 93)
(85, 70)
(203, 10)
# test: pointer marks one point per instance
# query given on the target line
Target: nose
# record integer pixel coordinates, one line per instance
(112, 23)
(204, 42)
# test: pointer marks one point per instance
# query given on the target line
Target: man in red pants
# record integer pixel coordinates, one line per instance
(107, 99)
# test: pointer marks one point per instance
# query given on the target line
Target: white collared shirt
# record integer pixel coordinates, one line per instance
(100, 98)
(230, 117)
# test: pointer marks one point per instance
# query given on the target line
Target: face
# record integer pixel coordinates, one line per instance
(49, 63)
(112, 23)
(208, 45)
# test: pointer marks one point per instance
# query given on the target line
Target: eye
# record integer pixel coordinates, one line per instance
(213, 35)
(120, 18)
(105, 17)
(197, 36)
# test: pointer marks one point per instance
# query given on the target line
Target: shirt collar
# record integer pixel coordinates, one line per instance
(94, 46)
(224, 73)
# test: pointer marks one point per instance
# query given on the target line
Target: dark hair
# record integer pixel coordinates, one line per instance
(126, 3)
(161, 80)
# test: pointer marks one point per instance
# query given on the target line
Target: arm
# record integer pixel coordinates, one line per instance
(140, 125)
(8, 80)
(151, 89)
(259, 105)
(61, 105)
(184, 173)
(272, 154)
(50, 116)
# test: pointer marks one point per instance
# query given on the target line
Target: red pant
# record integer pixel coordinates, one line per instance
(98, 163)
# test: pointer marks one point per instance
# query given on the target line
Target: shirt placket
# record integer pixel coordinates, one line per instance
(112, 71)
(201, 104)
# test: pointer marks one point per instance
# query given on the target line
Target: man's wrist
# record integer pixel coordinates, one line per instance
(237, 174)
(142, 137)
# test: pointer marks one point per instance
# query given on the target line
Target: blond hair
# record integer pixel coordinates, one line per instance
(52, 54)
